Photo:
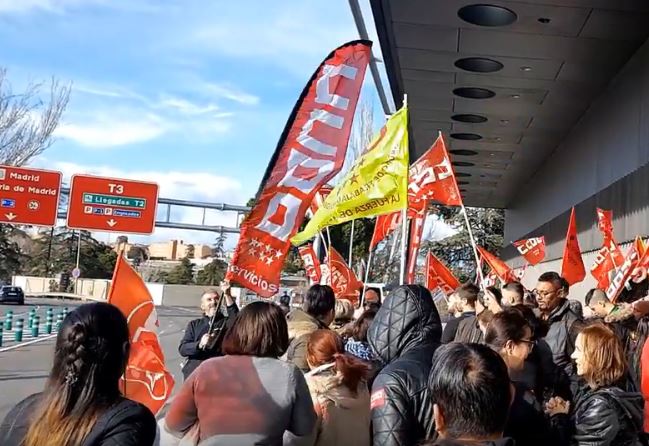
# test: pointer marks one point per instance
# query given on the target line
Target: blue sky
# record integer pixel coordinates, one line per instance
(192, 94)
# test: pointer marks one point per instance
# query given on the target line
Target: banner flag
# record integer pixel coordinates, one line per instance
(498, 267)
(572, 267)
(319, 198)
(309, 153)
(605, 221)
(376, 184)
(416, 233)
(533, 249)
(342, 279)
(311, 262)
(439, 276)
(432, 178)
(385, 224)
(624, 273)
(145, 380)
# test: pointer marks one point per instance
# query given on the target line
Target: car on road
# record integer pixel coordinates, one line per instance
(13, 294)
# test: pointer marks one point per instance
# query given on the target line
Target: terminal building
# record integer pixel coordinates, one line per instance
(544, 105)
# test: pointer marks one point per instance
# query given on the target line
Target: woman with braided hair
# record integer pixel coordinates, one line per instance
(82, 404)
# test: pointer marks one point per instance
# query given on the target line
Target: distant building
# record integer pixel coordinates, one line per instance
(178, 250)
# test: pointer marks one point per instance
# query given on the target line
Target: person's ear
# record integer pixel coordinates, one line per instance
(440, 423)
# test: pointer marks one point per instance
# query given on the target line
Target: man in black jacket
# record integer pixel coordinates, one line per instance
(404, 335)
(467, 295)
(199, 343)
(563, 327)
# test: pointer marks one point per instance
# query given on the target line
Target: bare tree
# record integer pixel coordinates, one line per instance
(359, 140)
(26, 122)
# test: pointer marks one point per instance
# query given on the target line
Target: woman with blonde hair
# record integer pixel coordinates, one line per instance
(338, 386)
(604, 414)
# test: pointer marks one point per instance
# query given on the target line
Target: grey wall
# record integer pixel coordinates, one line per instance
(610, 141)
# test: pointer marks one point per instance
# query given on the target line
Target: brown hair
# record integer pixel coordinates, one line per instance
(89, 358)
(326, 346)
(258, 330)
(358, 329)
(604, 360)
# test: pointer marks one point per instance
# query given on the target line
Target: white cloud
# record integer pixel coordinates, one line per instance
(232, 93)
(192, 186)
(187, 107)
(104, 131)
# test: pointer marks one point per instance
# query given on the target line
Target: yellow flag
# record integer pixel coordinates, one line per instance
(376, 184)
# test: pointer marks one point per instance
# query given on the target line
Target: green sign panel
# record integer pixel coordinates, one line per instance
(114, 200)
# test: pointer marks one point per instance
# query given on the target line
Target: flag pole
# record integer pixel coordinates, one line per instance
(367, 277)
(473, 245)
(404, 227)
(351, 244)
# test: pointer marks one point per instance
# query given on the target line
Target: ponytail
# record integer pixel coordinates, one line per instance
(325, 347)
(352, 370)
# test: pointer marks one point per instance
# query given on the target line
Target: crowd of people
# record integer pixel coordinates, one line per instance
(507, 367)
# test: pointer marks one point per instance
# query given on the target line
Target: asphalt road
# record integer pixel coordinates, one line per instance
(24, 367)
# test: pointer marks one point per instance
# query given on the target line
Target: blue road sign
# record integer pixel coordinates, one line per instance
(7, 203)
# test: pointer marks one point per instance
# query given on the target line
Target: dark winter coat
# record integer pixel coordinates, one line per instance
(468, 330)
(300, 326)
(404, 335)
(194, 332)
(499, 442)
(607, 417)
(448, 335)
(127, 423)
(563, 327)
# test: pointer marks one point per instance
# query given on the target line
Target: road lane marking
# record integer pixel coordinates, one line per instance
(24, 344)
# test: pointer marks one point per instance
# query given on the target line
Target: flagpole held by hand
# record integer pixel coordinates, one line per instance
(473, 245)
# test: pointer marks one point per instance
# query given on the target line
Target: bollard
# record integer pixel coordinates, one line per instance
(9, 320)
(32, 313)
(37, 321)
(59, 321)
(48, 323)
(65, 311)
(18, 332)
(1, 330)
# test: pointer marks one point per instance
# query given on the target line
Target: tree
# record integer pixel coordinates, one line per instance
(26, 121)
(488, 227)
(138, 254)
(11, 258)
(293, 262)
(213, 273)
(181, 274)
(218, 249)
(191, 250)
(97, 259)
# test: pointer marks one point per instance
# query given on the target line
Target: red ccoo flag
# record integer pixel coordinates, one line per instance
(572, 268)
(416, 233)
(146, 379)
(533, 249)
(309, 153)
(342, 279)
(432, 178)
(439, 276)
(384, 225)
(498, 267)
(311, 262)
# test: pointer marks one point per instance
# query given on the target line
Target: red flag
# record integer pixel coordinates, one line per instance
(640, 246)
(416, 232)
(432, 178)
(533, 249)
(605, 221)
(601, 267)
(500, 268)
(384, 225)
(342, 279)
(311, 262)
(319, 198)
(146, 379)
(310, 152)
(624, 273)
(572, 268)
(439, 276)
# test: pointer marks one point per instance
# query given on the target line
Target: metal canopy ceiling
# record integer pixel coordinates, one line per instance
(550, 64)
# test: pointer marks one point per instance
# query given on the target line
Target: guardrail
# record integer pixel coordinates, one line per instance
(60, 295)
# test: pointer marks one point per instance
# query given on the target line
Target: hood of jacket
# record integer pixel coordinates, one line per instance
(407, 318)
(301, 323)
(631, 403)
(327, 384)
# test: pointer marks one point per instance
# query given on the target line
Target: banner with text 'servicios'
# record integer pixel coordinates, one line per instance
(310, 152)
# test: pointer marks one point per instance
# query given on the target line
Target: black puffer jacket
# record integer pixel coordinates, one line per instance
(127, 423)
(608, 417)
(404, 335)
(563, 327)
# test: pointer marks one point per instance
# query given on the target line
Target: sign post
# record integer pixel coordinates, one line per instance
(29, 196)
(112, 205)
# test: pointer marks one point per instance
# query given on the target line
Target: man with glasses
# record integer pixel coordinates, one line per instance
(563, 324)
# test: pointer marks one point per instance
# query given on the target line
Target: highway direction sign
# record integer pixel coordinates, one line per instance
(29, 196)
(112, 204)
